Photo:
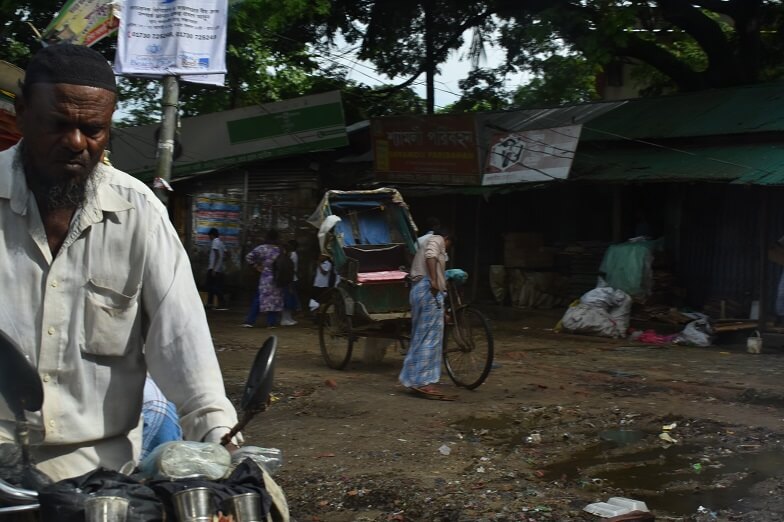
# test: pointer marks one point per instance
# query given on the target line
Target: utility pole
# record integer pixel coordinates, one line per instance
(171, 95)
(430, 67)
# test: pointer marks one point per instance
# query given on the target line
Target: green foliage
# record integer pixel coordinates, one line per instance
(483, 90)
(278, 50)
(559, 80)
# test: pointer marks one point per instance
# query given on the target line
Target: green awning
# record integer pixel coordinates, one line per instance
(760, 163)
(715, 112)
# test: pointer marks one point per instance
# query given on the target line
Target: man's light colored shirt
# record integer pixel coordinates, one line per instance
(217, 251)
(434, 247)
(116, 301)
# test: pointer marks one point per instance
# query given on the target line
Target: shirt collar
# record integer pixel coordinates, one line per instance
(108, 200)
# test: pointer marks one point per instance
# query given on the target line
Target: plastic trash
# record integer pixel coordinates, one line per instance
(534, 438)
(270, 459)
(444, 450)
(629, 503)
(615, 506)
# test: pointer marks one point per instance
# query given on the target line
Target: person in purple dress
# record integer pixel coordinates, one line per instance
(270, 296)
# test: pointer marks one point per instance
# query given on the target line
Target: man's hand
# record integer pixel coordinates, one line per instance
(231, 447)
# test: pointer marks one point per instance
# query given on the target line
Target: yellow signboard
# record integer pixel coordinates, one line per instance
(82, 22)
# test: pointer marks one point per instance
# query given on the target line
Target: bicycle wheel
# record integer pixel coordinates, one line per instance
(468, 348)
(335, 334)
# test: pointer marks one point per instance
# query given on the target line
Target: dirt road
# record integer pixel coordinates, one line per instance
(563, 421)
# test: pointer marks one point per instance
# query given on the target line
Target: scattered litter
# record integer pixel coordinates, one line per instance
(534, 438)
(697, 467)
(480, 469)
(696, 333)
(616, 506)
(665, 435)
(324, 455)
(444, 450)
(330, 383)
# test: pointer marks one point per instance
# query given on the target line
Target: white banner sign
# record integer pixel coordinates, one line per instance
(533, 155)
(164, 37)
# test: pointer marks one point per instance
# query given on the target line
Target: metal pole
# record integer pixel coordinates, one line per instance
(763, 257)
(430, 65)
(171, 94)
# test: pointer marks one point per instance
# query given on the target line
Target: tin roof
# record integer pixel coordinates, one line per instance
(534, 119)
(758, 163)
(738, 110)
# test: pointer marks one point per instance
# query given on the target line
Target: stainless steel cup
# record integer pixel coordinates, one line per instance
(105, 509)
(193, 505)
(246, 507)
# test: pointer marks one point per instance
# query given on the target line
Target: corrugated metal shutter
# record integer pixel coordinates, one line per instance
(720, 244)
(274, 198)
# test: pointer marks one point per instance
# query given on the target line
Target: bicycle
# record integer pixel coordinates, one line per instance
(468, 339)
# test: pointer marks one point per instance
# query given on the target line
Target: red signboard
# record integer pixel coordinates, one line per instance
(427, 149)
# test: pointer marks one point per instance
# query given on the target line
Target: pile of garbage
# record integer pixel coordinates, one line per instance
(606, 312)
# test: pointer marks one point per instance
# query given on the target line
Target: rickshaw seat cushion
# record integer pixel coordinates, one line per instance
(378, 258)
(383, 276)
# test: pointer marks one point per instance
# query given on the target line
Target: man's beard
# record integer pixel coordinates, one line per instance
(56, 193)
(70, 193)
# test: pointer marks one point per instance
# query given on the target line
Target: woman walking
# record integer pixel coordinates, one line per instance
(270, 296)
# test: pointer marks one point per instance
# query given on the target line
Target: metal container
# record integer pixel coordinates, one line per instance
(754, 344)
(106, 509)
(245, 507)
(193, 505)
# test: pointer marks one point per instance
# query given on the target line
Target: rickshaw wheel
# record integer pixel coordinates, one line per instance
(335, 333)
(468, 354)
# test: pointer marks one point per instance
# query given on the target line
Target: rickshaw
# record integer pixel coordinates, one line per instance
(371, 239)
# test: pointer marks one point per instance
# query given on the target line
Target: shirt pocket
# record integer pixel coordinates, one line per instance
(110, 319)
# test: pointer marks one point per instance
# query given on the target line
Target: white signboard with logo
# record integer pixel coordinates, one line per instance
(172, 37)
(532, 155)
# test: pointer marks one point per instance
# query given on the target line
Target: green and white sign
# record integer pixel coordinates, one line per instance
(212, 141)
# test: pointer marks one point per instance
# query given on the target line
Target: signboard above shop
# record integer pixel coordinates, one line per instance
(239, 136)
(438, 149)
(531, 156)
(484, 148)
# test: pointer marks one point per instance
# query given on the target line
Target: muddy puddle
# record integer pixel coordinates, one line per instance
(677, 479)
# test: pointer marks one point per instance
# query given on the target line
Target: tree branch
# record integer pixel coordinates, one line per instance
(441, 53)
(684, 76)
(703, 29)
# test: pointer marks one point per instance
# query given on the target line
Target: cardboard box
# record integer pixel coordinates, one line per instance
(539, 258)
(523, 240)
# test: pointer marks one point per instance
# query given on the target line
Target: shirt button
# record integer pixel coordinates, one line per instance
(46, 377)
(51, 330)
(54, 284)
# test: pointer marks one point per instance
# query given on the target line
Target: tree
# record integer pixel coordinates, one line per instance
(737, 41)
(272, 54)
(732, 36)
(483, 90)
(559, 80)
